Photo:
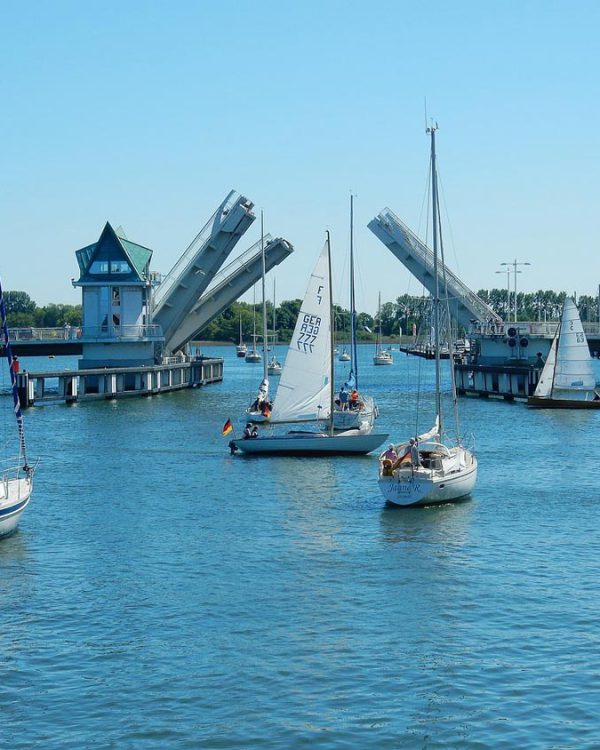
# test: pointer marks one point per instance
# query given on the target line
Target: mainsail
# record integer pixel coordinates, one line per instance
(304, 390)
(569, 365)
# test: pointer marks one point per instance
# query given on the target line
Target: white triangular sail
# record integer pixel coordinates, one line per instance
(304, 390)
(573, 369)
(544, 386)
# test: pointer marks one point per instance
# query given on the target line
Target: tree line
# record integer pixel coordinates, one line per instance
(397, 318)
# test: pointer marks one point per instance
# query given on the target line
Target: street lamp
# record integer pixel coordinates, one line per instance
(515, 271)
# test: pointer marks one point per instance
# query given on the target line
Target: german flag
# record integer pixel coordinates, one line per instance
(227, 427)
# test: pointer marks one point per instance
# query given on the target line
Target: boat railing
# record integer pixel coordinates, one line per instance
(525, 328)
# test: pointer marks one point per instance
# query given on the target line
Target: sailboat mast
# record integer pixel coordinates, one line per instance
(354, 368)
(264, 300)
(331, 341)
(436, 299)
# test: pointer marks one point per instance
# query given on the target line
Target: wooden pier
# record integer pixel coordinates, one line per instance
(70, 386)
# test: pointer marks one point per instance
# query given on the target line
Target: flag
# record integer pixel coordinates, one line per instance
(227, 427)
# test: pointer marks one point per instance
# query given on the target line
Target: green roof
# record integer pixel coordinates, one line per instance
(138, 256)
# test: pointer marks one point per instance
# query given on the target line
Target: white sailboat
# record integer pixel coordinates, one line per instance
(16, 476)
(305, 393)
(567, 380)
(253, 355)
(275, 367)
(260, 409)
(429, 468)
(381, 356)
(352, 409)
(241, 348)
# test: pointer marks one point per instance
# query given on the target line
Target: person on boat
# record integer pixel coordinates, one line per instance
(247, 431)
(15, 365)
(414, 453)
(254, 433)
(390, 453)
(343, 398)
(354, 399)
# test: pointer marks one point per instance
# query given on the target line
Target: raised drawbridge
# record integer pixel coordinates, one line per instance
(228, 285)
(465, 305)
(192, 293)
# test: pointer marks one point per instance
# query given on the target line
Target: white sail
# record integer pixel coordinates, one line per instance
(573, 369)
(544, 386)
(304, 390)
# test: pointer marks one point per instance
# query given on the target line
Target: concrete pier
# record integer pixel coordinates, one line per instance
(70, 386)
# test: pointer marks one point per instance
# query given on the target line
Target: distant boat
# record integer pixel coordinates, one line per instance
(381, 356)
(241, 348)
(345, 356)
(567, 380)
(16, 476)
(430, 468)
(305, 392)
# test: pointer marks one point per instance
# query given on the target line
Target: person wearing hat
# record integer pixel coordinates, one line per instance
(247, 431)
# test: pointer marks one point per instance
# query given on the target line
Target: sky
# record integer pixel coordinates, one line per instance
(146, 114)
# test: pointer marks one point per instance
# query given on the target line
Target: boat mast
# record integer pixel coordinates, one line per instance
(331, 341)
(13, 381)
(264, 301)
(436, 298)
(354, 367)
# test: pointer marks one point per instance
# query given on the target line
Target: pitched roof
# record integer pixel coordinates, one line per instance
(138, 256)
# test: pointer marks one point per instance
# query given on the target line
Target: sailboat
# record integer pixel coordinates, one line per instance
(241, 348)
(260, 409)
(274, 365)
(361, 410)
(567, 380)
(305, 393)
(381, 356)
(16, 476)
(253, 355)
(429, 468)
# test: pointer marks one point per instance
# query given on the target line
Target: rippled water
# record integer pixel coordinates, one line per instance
(161, 593)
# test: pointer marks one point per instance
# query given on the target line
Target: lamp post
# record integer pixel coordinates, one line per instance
(515, 270)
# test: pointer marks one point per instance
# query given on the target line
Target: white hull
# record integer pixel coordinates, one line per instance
(345, 357)
(241, 350)
(274, 369)
(355, 419)
(312, 444)
(14, 498)
(253, 357)
(383, 359)
(428, 486)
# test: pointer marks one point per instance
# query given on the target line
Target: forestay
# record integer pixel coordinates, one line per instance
(304, 391)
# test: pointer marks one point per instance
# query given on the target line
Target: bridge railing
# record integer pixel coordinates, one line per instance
(86, 333)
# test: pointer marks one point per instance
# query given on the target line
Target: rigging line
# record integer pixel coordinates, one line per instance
(450, 342)
(449, 224)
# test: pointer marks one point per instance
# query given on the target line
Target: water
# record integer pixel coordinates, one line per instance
(161, 593)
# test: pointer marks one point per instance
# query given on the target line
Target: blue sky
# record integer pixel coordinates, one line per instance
(147, 114)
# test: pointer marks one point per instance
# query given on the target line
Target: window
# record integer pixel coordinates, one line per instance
(119, 266)
(99, 266)
(116, 296)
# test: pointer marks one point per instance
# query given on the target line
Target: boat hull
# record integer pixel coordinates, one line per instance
(379, 360)
(13, 504)
(310, 444)
(427, 488)
(355, 419)
(562, 403)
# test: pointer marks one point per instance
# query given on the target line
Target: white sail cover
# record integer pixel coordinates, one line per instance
(304, 390)
(569, 364)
